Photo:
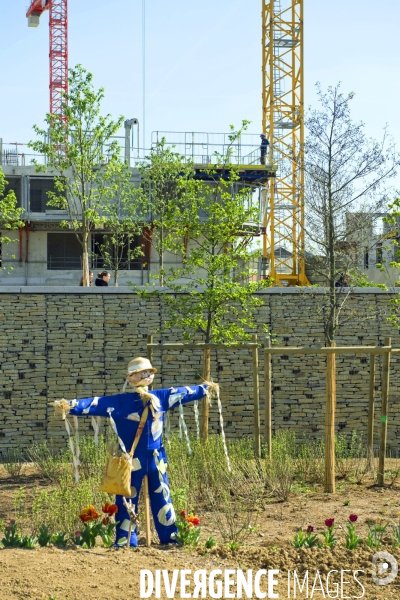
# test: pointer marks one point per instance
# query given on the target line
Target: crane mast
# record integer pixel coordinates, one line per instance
(283, 122)
(58, 53)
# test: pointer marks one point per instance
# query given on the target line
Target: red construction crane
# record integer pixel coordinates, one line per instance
(58, 27)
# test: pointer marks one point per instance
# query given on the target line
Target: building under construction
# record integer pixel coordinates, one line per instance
(44, 252)
(279, 183)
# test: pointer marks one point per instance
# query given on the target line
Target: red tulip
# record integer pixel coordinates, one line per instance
(89, 514)
(329, 522)
(109, 509)
(353, 518)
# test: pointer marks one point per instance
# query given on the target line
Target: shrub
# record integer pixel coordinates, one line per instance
(350, 456)
(13, 462)
(280, 470)
(50, 464)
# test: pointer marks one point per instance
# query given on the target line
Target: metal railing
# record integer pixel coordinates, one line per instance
(204, 148)
(198, 147)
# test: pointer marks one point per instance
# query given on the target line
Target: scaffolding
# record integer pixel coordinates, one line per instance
(283, 122)
(217, 152)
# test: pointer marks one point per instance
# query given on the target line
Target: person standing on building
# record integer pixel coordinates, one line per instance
(102, 279)
(263, 147)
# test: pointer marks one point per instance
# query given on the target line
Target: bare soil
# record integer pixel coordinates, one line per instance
(74, 573)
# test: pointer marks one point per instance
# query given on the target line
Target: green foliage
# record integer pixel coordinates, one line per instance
(396, 535)
(329, 536)
(50, 464)
(352, 540)
(218, 297)
(205, 465)
(10, 214)
(58, 507)
(309, 459)
(44, 535)
(60, 539)
(89, 533)
(210, 542)
(359, 279)
(28, 542)
(207, 224)
(179, 498)
(235, 498)
(12, 537)
(82, 154)
(376, 533)
(280, 471)
(13, 461)
(123, 208)
(169, 192)
(107, 533)
(187, 534)
(350, 456)
(233, 546)
(306, 539)
(92, 457)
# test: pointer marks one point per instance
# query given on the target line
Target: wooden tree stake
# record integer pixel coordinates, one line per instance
(205, 409)
(256, 396)
(330, 410)
(371, 413)
(268, 397)
(147, 509)
(384, 414)
(150, 353)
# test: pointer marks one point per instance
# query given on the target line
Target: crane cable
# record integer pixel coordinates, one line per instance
(144, 69)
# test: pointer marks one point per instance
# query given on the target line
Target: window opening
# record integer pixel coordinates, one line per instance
(64, 251)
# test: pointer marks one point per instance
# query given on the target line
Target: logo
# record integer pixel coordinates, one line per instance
(384, 568)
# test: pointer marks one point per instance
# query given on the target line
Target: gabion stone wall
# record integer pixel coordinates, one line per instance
(75, 343)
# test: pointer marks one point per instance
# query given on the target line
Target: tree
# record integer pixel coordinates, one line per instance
(214, 294)
(209, 226)
(170, 188)
(9, 212)
(393, 220)
(123, 209)
(346, 178)
(80, 151)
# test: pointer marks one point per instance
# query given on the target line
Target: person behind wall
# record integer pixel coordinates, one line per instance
(263, 147)
(102, 279)
(343, 281)
(90, 279)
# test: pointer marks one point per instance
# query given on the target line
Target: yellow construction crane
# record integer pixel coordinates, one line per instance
(283, 122)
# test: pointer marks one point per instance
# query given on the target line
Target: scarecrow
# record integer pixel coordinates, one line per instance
(137, 418)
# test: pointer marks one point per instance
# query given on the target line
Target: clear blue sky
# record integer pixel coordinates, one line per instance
(203, 61)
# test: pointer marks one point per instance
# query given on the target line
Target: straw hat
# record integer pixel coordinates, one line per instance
(140, 364)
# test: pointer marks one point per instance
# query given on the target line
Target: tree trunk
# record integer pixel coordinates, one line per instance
(330, 411)
(161, 258)
(205, 409)
(331, 324)
(85, 268)
(116, 264)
